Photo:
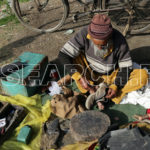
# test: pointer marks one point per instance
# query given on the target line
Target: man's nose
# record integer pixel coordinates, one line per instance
(100, 46)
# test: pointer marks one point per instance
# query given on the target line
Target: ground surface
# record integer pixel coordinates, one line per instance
(15, 39)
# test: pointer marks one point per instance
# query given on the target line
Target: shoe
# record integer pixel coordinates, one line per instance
(101, 91)
(97, 96)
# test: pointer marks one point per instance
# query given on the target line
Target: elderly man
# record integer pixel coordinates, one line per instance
(98, 52)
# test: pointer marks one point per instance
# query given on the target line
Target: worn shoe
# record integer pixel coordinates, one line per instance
(97, 96)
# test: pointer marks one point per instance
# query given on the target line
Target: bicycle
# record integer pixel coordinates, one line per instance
(128, 16)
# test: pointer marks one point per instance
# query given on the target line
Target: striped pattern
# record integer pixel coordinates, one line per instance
(70, 49)
(125, 63)
(119, 56)
(98, 66)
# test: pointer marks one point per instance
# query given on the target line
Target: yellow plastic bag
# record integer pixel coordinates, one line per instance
(37, 114)
(79, 146)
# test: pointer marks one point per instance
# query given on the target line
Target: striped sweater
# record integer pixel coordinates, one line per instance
(118, 58)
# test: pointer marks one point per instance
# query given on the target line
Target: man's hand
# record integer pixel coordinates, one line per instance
(65, 80)
(84, 83)
(111, 93)
(100, 106)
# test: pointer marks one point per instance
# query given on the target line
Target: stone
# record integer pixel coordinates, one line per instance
(89, 125)
(64, 124)
(52, 127)
(50, 134)
(67, 139)
(70, 31)
(129, 139)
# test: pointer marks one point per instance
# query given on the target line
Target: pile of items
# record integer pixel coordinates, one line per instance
(72, 116)
(10, 117)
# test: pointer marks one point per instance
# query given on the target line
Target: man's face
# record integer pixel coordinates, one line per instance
(101, 44)
(101, 47)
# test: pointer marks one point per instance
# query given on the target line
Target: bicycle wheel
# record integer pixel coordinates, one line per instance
(141, 16)
(42, 16)
(134, 18)
(120, 17)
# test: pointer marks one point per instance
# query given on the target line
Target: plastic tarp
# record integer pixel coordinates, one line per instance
(37, 114)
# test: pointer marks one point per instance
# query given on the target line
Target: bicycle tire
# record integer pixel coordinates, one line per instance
(41, 5)
(127, 23)
(141, 20)
(43, 24)
(103, 4)
(119, 18)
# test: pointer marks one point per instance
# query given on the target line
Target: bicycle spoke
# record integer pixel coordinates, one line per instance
(136, 16)
(141, 17)
(43, 15)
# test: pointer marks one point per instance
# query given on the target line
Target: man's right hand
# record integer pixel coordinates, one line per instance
(111, 93)
(65, 80)
(85, 84)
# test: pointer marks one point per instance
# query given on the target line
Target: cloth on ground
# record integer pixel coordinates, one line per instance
(141, 97)
(68, 104)
(123, 113)
(37, 114)
(54, 88)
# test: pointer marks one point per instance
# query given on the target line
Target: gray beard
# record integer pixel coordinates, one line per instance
(100, 52)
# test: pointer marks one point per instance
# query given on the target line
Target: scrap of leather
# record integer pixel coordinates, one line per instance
(68, 104)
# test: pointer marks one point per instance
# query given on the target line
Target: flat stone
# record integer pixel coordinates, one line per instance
(67, 139)
(64, 124)
(53, 127)
(89, 125)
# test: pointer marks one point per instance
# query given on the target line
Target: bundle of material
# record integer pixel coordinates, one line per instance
(67, 104)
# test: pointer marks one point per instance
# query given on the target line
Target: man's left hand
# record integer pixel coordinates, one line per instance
(111, 93)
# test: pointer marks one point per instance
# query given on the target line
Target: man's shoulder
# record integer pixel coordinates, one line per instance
(81, 34)
(84, 30)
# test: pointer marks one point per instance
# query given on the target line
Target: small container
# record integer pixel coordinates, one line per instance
(24, 134)
(54, 74)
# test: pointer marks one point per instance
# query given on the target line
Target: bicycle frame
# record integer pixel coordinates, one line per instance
(128, 7)
(100, 9)
(98, 6)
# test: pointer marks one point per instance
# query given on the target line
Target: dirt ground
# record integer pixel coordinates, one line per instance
(15, 39)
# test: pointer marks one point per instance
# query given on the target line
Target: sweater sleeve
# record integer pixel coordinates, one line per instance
(71, 50)
(76, 44)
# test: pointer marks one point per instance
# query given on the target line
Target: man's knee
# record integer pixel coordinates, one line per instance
(138, 78)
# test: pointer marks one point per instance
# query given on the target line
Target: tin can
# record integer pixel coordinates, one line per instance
(54, 74)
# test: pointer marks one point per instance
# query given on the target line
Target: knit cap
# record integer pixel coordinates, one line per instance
(100, 27)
